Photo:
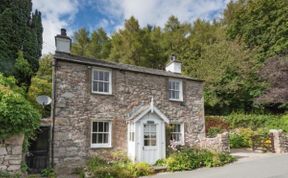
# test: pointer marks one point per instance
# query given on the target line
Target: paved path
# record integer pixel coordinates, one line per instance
(254, 165)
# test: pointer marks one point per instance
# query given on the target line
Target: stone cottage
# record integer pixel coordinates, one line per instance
(101, 106)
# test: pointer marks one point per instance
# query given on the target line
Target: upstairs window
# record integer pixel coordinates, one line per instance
(175, 90)
(101, 134)
(101, 81)
(177, 133)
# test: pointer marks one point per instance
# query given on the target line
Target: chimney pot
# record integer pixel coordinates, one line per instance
(63, 32)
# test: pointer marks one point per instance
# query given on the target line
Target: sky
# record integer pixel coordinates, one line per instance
(111, 14)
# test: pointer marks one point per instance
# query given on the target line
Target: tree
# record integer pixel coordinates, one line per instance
(20, 30)
(175, 37)
(128, 45)
(274, 72)
(100, 44)
(41, 84)
(81, 42)
(261, 24)
(22, 70)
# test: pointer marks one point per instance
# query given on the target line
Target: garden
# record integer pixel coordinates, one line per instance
(244, 128)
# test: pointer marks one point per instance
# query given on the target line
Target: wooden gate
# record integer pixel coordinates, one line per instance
(38, 151)
(263, 142)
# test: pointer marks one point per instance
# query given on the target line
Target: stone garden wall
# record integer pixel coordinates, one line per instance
(220, 143)
(280, 141)
(11, 153)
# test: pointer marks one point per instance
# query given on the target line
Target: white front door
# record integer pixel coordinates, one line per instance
(153, 138)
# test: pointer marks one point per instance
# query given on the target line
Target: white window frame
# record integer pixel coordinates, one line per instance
(101, 145)
(110, 80)
(180, 90)
(181, 142)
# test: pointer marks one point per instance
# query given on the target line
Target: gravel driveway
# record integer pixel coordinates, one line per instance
(249, 165)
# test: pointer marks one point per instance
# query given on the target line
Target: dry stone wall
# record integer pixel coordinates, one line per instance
(76, 107)
(280, 141)
(11, 153)
(220, 143)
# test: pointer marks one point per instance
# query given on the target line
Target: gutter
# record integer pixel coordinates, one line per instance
(53, 109)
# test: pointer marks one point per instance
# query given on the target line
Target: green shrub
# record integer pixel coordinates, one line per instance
(255, 121)
(118, 167)
(48, 172)
(213, 131)
(141, 169)
(193, 158)
(4, 174)
(17, 115)
(237, 140)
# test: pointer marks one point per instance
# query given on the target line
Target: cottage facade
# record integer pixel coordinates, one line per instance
(100, 107)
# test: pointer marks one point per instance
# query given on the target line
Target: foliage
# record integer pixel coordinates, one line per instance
(274, 72)
(48, 172)
(236, 140)
(118, 167)
(4, 174)
(41, 84)
(213, 131)
(22, 70)
(141, 169)
(188, 159)
(255, 121)
(20, 30)
(17, 115)
(260, 24)
(215, 124)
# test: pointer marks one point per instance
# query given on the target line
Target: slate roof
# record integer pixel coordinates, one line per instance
(102, 63)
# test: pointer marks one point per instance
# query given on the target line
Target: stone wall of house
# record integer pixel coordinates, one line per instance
(76, 107)
(11, 153)
(220, 143)
(280, 141)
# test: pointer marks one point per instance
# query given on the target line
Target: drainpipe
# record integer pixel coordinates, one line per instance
(53, 109)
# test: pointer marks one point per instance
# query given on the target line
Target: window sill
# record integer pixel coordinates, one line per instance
(100, 146)
(177, 100)
(99, 93)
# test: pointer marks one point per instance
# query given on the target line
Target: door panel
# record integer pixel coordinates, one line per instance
(150, 142)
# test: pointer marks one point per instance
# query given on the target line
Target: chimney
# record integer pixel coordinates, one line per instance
(63, 42)
(174, 65)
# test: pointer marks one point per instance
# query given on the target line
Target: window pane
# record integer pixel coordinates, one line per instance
(94, 127)
(177, 128)
(106, 87)
(100, 126)
(96, 75)
(106, 76)
(100, 138)
(153, 143)
(95, 86)
(101, 87)
(170, 85)
(173, 95)
(101, 75)
(106, 127)
(105, 140)
(176, 94)
(94, 138)
(177, 86)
